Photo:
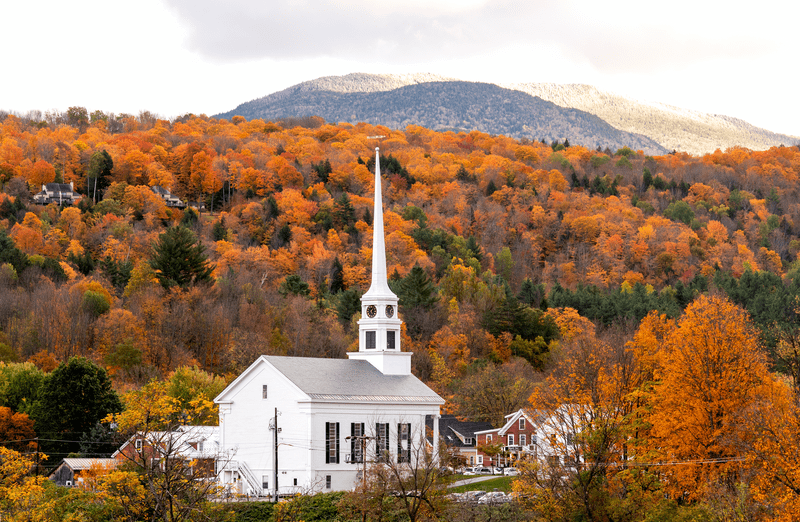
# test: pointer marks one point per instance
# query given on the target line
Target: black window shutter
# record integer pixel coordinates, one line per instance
(327, 443)
(399, 443)
(362, 449)
(353, 442)
(337, 442)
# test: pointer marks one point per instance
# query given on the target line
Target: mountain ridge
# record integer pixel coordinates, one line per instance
(653, 127)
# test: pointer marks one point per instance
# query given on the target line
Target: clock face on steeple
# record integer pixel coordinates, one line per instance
(389, 311)
(371, 311)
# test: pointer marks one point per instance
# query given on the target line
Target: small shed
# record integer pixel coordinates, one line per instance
(68, 473)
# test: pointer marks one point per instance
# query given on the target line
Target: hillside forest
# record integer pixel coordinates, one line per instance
(658, 293)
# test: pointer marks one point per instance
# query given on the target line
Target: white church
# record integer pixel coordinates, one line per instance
(332, 415)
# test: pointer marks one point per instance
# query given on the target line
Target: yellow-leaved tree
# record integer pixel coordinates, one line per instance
(170, 444)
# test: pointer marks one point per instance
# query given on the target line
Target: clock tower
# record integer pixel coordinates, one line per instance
(379, 326)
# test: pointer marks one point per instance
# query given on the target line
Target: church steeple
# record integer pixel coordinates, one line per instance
(380, 284)
(379, 326)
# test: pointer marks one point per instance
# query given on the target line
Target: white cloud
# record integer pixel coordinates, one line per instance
(203, 56)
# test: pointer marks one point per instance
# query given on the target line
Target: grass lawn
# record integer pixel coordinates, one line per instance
(500, 483)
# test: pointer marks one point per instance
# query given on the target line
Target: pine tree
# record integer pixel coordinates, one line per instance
(417, 289)
(179, 259)
(337, 276)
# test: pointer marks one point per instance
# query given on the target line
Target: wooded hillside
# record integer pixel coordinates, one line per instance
(529, 274)
(288, 232)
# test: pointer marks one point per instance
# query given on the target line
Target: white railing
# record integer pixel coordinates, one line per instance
(251, 479)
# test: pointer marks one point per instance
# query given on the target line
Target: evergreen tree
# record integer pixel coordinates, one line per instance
(84, 262)
(284, 235)
(348, 303)
(118, 272)
(190, 218)
(179, 259)
(533, 295)
(344, 214)
(647, 179)
(337, 276)
(9, 253)
(219, 232)
(474, 248)
(323, 170)
(417, 289)
(272, 208)
(294, 285)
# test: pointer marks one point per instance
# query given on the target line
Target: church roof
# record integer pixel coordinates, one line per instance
(349, 379)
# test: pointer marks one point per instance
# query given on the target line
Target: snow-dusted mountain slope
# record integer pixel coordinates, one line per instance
(671, 127)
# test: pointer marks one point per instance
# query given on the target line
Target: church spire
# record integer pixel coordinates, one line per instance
(379, 326)
(380, 284)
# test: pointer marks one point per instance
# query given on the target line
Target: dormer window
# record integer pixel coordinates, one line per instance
(468, 441)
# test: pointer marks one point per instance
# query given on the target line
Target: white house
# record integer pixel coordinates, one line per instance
(59, 193)
(331, 414)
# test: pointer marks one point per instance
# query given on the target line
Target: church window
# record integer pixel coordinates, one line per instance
(390, 340)
(264, 391)
(403, 443)
(370, 335)
(382, 440)
(356, 442)
(331, 443)
(327, 482)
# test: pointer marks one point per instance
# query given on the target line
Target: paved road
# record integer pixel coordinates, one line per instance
(472, 480)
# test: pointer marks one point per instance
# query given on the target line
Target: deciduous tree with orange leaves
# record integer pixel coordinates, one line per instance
(710, 370)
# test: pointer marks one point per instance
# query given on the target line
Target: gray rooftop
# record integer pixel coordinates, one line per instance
(86, 463)
(337, 379)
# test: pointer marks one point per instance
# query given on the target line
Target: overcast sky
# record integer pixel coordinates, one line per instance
(177, 56)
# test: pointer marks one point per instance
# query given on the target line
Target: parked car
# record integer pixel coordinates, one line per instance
(470, 471)
(512, 472)
(494, 497)
(484, 471)
(472, 496)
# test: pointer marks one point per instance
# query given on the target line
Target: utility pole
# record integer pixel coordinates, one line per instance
(362, 439)
(274, 426)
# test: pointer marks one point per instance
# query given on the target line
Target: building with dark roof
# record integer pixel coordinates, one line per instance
(459, 436)
(58, 193)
